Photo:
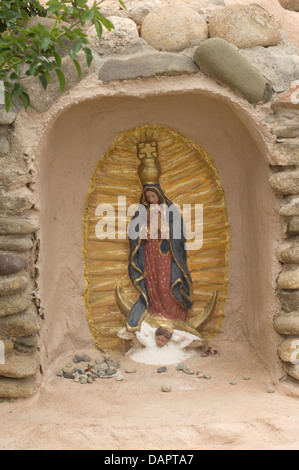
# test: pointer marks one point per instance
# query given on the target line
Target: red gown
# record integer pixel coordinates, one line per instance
(158, 282)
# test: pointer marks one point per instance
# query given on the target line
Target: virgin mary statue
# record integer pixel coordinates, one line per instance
(158, 259)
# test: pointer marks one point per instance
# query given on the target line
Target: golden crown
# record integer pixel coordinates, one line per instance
(149, 169)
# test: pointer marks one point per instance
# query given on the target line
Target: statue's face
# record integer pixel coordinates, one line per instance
(152, 197)
(161, 340)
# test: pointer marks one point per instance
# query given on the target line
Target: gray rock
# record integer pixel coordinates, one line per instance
(4, 146)
(13, 284)
(114, 364)
(287, 324)
(293, 226)
(12, 180)
(292, 5)
(83, 380)
(27, 344)
(12, 304)
(208, 376)
(160, 370)
(16, 226)
(139, 12)
(289, 278)
(7, 118)
(233, 382)
(173, 29)
(19, 366)
(270, 389)
(20, 324)
(59, 373)
(279, 65)
(290, 208)
(292, 370)
(285, 182)
(11, 264)
(288, 149)
(224, 63)
(289, 300)
(17, 388)
(15, 243)
(181, 366)
(110, 372)
(13, 205)
(81, 358)
(146, 65)
(290, 254)
(245, 26)
(286, 111)
(130, 370)
(288, 350)
(116, 41)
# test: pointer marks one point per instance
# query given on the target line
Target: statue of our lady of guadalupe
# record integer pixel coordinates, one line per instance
(158, 259)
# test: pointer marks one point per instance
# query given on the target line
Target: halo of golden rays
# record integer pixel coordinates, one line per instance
(189, 176)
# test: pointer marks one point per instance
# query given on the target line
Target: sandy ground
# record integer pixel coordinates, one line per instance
(135, 414)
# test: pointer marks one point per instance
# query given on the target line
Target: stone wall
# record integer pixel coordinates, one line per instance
(260, 65)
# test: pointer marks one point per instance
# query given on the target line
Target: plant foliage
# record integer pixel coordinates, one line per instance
(38, 50)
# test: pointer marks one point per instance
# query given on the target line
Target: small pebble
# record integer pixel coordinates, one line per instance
(119, 376)
(110, 372)
(100, 360)
(246, 377)
(77, 379)
(130, 371)
(160, 370)
(233, 382)
(69, 365)
(270, 389)
(207, 376)
(83, 380)
(89, 380)
(200, 374)
(166, 388)
(107, 356)
(77, 359)
(79, 370)
(114, 364)
(101, 373)
(188, 371)
(181, 366)
(68, 375)
(85, 358)
(59, 373)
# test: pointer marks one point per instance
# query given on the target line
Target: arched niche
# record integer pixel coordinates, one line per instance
(78, 139)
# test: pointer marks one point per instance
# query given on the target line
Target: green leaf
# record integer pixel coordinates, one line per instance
(99, 28)
(43, 81)
(26, 99)
(89, 56)
(107, 23)
(45, 42)
(88, 15)
(61, 79)
(57, 58)
(8, 101)
(78, 67)
(77, 46)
